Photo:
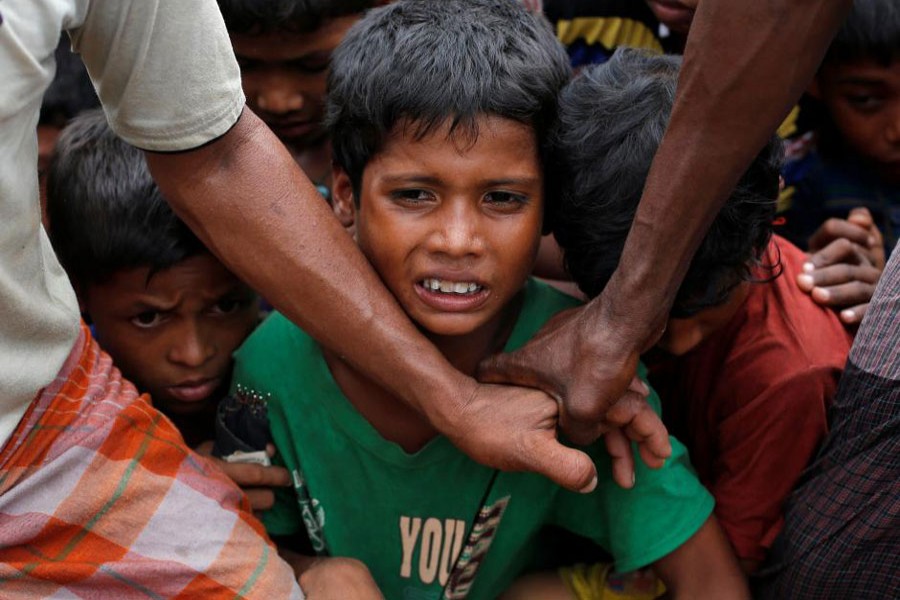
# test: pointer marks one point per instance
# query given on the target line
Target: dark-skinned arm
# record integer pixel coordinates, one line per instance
(252, 206)
(745, 65)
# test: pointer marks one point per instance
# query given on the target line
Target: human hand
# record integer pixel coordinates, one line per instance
(338, 579)
(578, 360)
(255, 480)
(846, 261)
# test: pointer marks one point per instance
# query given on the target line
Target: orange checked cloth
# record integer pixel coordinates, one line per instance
(100, 498)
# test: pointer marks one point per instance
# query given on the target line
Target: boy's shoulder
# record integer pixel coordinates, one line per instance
(781, 338)
(275, 337)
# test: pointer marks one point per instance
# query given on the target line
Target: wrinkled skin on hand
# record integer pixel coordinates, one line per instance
(592, 377)
(845, 262)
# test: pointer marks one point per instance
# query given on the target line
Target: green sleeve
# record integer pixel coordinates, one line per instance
(638, 526)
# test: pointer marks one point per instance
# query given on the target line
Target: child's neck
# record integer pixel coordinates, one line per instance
(393, 418)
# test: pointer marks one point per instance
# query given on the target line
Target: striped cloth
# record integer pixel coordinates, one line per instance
(100, 498)
(841, 537)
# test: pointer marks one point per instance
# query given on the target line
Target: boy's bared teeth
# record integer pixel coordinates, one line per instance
(450, 287)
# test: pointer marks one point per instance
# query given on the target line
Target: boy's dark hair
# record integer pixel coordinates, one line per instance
(611, 120)
(70, 92)
(104, 210)
(872, 30)
(266, 16)
(421, 63)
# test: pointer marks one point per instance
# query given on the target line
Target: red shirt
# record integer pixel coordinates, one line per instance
(750, 401)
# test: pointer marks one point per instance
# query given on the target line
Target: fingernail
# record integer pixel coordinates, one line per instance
(805, 280)
(871, 240)
(822, 294)
(633, 479)
(590, 487)
(808, 267)
(848, 316)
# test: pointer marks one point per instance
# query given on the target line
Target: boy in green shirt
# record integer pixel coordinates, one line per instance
(437, 113)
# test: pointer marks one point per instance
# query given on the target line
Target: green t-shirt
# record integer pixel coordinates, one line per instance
(436, 524)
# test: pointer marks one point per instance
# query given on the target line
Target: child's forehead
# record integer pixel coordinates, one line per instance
(863, 70)
(289, 42)
(463, 133)
(201, 274)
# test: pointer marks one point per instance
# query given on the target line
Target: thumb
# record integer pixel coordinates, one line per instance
(567, 467)
(506, 368)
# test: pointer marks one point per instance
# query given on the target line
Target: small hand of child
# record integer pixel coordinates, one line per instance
(846, 260)
(338, 579)
(255, 480)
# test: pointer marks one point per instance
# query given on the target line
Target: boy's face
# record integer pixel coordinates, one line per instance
(284, 75)
(173, 334)
(451, 226)
(863, 100)
(683, 335)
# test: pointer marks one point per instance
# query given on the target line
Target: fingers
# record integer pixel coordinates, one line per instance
(840, 251)
(622, 460)
(509, 369)
(260, 498)
(846, 294)
(834, 229)
(861, 217)
(854, 315)
(248, 475)
(841, 285)
(641, 424)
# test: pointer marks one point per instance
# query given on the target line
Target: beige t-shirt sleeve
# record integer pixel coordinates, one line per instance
(164, 70)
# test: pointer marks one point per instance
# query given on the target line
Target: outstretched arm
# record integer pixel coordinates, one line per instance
(252, 206)
(745, 65)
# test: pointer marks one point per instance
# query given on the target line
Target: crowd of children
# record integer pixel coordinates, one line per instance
(449, 139)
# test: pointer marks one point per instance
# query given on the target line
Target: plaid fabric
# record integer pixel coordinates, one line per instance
(100, 498)
(841, 537)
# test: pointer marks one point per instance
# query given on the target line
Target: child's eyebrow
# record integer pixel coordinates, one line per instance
(525, 180)
(858, 80)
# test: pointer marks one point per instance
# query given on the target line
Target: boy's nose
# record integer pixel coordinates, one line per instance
(277, 97)
(457, 233)
(192, 348)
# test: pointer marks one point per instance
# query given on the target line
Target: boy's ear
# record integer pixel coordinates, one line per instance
(342, 201)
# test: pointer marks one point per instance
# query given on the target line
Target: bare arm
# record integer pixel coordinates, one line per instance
(252, 206)
(703, 567)
(745, 65)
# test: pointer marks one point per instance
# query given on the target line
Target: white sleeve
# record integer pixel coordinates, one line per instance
(164, 70)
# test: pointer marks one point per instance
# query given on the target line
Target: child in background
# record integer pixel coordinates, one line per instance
(841, 271)
(165, 309)
(440, 171)
(284, 50)
(856, 160)
(748, 364)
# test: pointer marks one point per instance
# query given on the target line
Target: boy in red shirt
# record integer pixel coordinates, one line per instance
(748, 363)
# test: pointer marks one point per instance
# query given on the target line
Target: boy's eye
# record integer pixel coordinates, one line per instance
(228, 306)
(314, 63)
(505, 200)
(864, 102)
(411, 196)
(147, 319)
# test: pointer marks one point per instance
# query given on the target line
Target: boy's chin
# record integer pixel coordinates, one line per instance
(174, 406)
